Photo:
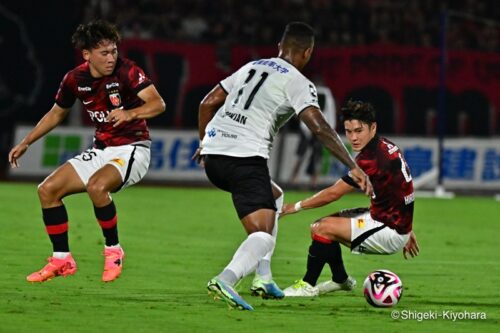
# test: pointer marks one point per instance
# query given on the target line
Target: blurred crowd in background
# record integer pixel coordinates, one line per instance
(35, 37)
(337, 23)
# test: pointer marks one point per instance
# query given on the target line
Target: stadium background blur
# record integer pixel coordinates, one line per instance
(457, 270)
(383, 51)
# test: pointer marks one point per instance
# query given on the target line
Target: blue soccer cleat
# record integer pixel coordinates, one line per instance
(219, 289)
(266, 289)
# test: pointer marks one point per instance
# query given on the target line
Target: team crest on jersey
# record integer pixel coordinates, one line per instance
(115, 99)
(361, 223)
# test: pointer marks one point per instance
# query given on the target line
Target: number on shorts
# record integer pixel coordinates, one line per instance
(87, 156)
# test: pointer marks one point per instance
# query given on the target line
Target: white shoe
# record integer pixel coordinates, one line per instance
(329, 286)
(301, 289)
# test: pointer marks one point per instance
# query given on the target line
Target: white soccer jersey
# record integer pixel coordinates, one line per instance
(262, 96)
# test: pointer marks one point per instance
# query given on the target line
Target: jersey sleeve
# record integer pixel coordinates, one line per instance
(301, 94)
(347, 178)
(65, 96)
(137, 79)
(228, 83)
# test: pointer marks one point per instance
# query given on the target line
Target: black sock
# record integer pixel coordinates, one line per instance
(336, 263)
(318, 254)
(56, 224)
(106, 216)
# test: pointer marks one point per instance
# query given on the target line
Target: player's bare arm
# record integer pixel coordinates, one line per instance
(208, 107)
(318, 125)
(153, 106)
(411, 247)
(51, 119)
(320, 199)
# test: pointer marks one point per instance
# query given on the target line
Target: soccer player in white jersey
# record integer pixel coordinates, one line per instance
(238, 121)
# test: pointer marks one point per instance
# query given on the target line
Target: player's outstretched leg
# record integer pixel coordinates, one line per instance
(113, 263)
(55, 267)
(329, 286)
(218, 289)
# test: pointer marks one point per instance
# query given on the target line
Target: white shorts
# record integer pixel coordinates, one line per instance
(373, 237)
(132, 161)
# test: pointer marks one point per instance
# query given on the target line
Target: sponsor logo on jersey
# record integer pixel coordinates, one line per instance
(271, 64)
(118, 161)
(228, 135)
(391, 148)
(313, 91)
(409, 198)
(211, 133)
(84, 88)
(98, 116)
(115, 99)
(86, 102)
(361, 223)
(142, 77)
(112, 85)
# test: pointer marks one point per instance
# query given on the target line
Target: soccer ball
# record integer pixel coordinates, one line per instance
(383, 288)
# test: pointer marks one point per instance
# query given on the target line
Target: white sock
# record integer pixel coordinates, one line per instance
(60, 255)
(117, 246)
(264, 267)
(249, 253)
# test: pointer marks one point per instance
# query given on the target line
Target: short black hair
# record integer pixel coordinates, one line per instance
(89, 36)
(298, 35)
(358, 110)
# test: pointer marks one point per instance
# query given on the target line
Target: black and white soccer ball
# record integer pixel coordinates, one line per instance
(383, 288)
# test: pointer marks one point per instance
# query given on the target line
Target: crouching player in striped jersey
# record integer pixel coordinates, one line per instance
(384, 228)
(117, 97)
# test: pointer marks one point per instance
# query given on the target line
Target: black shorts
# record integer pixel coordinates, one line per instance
(246, 178)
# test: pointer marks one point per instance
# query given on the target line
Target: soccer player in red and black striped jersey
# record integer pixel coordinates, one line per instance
(383, 228)
(118, 98)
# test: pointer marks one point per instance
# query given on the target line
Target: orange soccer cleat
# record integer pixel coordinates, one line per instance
(113, 263)
(55, 267)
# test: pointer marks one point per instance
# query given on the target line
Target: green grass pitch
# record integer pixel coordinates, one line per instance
(177, 239)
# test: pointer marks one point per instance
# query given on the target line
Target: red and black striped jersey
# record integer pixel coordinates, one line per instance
(101, 95)
(392, 200)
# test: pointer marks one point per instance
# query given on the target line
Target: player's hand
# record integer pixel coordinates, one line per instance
(200, 159)
(119, 116)
(362, 180)
(411, 246)
(16, 153)
(287, 209)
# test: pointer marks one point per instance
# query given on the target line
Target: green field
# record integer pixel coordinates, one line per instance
(176, 239)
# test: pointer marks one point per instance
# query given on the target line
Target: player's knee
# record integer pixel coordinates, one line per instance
(47, 190)
(265, 237)
(96, 186)
(322, 229)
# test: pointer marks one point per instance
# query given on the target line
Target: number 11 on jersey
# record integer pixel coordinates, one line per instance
(251, 74)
